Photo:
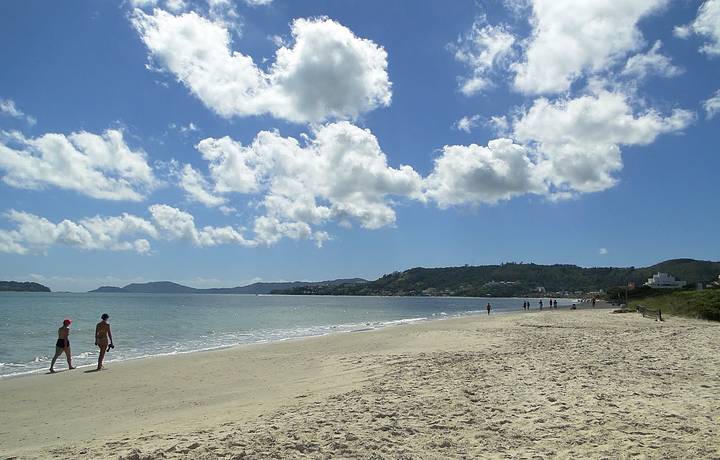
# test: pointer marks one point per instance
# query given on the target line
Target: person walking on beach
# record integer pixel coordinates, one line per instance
(488, 307)
(62, 345)
(102, 333)
(540, 303)
(593, 302)
(555, 304)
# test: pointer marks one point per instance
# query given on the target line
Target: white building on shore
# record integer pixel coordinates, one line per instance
(664, 281)
(714, 283)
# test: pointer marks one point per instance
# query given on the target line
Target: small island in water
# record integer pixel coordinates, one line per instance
(22, 286)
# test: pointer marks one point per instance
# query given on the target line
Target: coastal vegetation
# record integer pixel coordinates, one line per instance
(22, 286)
(513, 279)
(694, 304)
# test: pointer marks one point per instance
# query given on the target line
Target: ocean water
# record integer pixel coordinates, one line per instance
(145, 325)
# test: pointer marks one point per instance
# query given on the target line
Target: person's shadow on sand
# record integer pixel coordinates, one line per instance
(90, 371)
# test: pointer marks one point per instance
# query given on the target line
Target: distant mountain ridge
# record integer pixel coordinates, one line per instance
(22, 286)
(168, 287)
(513, 279)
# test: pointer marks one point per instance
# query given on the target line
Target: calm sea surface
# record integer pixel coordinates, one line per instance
(157, 324)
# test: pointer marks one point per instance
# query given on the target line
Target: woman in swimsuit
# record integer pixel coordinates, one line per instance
(63, 345)
(102, 333)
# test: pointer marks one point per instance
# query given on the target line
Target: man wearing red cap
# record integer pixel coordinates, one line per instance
(63, 345)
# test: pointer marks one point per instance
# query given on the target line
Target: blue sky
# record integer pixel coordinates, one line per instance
(220, 142)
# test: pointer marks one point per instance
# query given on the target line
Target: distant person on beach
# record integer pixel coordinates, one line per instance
(63, 345)
(555, 304)
(102, 334)
(488, 307)
(540, 303)
(593, 302)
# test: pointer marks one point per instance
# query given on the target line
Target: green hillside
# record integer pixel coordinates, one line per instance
(22, 286)
(512, 279)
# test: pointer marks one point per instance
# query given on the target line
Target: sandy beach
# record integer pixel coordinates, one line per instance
(567, 384)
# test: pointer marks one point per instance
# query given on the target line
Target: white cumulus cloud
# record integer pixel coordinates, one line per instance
(33, 234)
(482, 174)
(341, 174)
(328, 72)
(175, 224)
(99, 166)
(143, 3)
(706, 24)
(197, 189)
(467, 124)
(579, 139)
(556, 149)
(574, 38)
(483, 49)
(651, 63)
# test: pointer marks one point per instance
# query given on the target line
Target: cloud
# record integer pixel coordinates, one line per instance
(174, 224)
(574, 38)
(341, 175)
(482, 49)
(706, 24)
(517, 7)
(34, 234)
(602, 251)
(197, 188)
(642, 65)
(9, 243)
(467, 124)
(99, 166)
(233, 167)
(258, 2)
(270, 230)
(557, 149)
(579, 139)
(184, 129)
(327, 73)
(712, 105)
(500, 125)
(176, 6)
(477, 174)
(143, 3)
(8, 107)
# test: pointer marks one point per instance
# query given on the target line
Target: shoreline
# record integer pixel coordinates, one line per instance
(361, 328)
(582, 383)
(574, 298)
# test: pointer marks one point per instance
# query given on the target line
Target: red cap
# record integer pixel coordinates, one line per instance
(67, 321)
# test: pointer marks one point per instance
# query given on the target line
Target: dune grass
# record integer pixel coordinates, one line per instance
(694, 304)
